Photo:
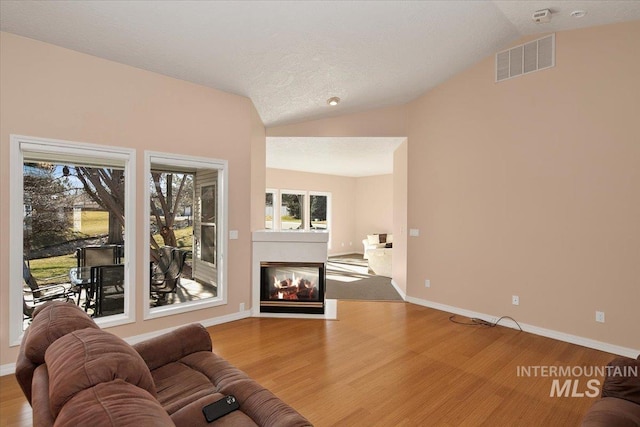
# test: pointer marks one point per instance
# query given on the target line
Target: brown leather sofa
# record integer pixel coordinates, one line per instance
(74, 373)
(619, 404)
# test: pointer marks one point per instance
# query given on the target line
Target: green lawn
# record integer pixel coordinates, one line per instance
(56, 269)
(184, 237)
(53, 269)
(94, 223)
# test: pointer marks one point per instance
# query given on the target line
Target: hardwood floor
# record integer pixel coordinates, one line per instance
(392, 364)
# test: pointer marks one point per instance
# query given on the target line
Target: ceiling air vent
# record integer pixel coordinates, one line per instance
(526, 58)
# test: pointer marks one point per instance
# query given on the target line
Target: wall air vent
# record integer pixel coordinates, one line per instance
(526, 58)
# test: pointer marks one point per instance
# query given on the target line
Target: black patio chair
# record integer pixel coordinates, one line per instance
(90, 256)
(36, 294)
(166, 272)
(107, 289)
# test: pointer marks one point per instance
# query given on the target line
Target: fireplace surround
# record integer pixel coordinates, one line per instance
(295, 258)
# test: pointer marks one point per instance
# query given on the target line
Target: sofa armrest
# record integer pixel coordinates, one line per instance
(174, 345)
(611, 411)
(623, 381)
(24, 369)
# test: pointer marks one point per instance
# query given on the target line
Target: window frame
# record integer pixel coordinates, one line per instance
(61, 150)
(277, 203)
(187, 162)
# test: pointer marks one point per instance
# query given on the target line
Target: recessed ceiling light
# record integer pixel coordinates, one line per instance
(577, 13)
(333, 101)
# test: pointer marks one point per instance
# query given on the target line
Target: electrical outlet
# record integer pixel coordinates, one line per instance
(241, 306)
(600, 316)
(515, 300)
(427, 283)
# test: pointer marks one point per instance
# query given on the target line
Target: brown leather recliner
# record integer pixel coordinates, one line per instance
(74, 373)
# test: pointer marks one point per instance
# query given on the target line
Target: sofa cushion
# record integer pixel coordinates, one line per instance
(85, 358)
(178, 385)
(111, 404)
(621, 385)
(50, 322)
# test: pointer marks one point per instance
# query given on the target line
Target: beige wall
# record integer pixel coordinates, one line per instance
(56, 93)
(399, 271)
(258, 168)
(531, 187)
(374, 205)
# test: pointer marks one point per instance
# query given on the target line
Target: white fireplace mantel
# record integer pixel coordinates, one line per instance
(291, 236)
(288, 246)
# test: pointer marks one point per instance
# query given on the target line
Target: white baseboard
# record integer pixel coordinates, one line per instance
(549, 333)
(206, 323)
(344, 253)
(8, 369)
(402, 293)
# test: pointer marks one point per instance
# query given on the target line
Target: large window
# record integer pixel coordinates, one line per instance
(68, 209)
(186, 229)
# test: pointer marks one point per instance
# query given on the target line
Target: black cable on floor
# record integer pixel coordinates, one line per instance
(480, 322)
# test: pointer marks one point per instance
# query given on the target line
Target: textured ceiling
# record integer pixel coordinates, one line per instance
(353, 157)
(289, 57)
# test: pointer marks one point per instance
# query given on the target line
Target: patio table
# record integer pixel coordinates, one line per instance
(81, 278)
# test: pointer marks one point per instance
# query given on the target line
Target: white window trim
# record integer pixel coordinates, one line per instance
(187, 162)
(275, 224)
(328, 196)
(64, 150)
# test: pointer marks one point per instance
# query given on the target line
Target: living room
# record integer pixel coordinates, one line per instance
(524, 188)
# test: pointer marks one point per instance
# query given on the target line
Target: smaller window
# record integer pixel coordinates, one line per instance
(187, 223)
(292, 211)
(318, 211)
(269, 203)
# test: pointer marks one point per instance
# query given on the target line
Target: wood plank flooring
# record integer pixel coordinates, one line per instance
(392, 364)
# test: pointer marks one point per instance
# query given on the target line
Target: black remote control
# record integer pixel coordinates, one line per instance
(220, 408)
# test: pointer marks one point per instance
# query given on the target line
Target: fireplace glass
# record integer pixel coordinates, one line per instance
(292, 287)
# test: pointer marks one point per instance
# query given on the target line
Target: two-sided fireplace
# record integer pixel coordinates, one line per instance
(292, 287)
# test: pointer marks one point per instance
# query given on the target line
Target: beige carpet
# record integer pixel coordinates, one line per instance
(348, 278)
